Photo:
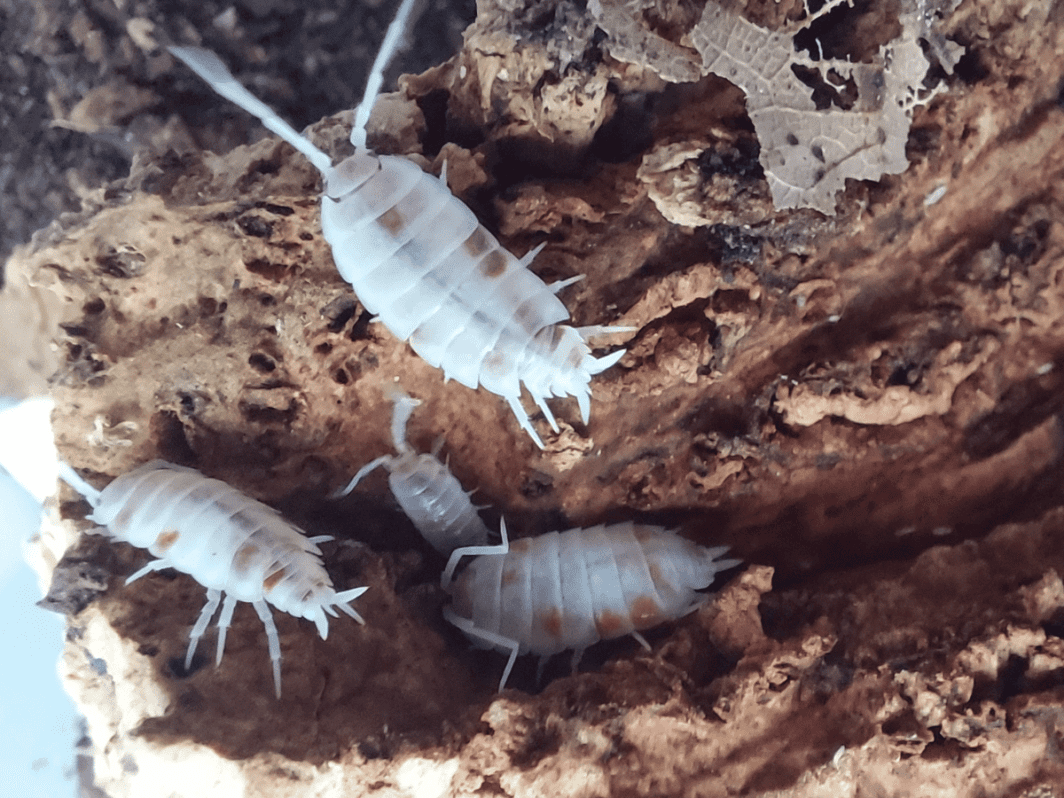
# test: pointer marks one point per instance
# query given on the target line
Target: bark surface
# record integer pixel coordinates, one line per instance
(865, 407)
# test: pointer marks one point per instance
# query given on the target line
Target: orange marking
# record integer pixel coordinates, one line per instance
(645, 613)
(477, 243)
(495, 363)
(242, 558)
(166, 540)
(493, 264)
(609, 624)
(552, 622)
(643, 532)
(509, 576)
(270, 582)
(392, 221)
(527, 314)
(524, 544)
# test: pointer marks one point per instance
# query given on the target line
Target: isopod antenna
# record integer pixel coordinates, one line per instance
(217, 75)
(375, 79)
(70, 476)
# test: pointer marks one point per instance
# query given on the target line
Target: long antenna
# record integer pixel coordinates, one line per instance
(74, 480)
(210, 67)
(376, 73)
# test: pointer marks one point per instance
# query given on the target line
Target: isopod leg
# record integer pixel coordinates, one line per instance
(214, 598)
(224, 619)
(531, 256)
(154, 565)
(558, 285)
(370, 466)
(491, 638)
(574, 663)
(523, 420)
(474, 551)
(541, 663)
(509, 664)
(273, 641)
(542, 402)
(642, 640)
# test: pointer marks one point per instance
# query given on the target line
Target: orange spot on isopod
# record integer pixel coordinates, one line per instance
(270, 582)
(243, 557)
(166, 540)
(642, 532)
(552, 621)
(494, 363)
(392, 221)
(493, 264)
(609, 624)
(645, 612)
(477, 243)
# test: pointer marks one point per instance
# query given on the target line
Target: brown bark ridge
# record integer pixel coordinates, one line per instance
(865, 407)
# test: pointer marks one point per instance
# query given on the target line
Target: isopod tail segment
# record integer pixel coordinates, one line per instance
(419, 259)
(238, 548)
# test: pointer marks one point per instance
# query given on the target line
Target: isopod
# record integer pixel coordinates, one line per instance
(227, 541)
(570, 589)
(418, 258)
(430, 495)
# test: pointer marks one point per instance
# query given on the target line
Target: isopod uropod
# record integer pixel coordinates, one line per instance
(227, 541)
(418, 258)
(430, 495)
(571, 589)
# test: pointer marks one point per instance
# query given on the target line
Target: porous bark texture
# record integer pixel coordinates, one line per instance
(865, 407)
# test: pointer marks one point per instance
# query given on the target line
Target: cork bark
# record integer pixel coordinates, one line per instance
(865, 406)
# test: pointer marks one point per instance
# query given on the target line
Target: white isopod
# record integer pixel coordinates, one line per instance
(430, 495)
(226, 541)
(418, 258)
(571, 589)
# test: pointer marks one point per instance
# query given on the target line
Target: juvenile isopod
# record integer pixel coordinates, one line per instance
(226, 541)
(565, 590)
(419, 259)
(430, 495)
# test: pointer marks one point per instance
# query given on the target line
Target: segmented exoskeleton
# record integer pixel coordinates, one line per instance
(227, 541)
(418, 258)
(571, 589)
(430, 495)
